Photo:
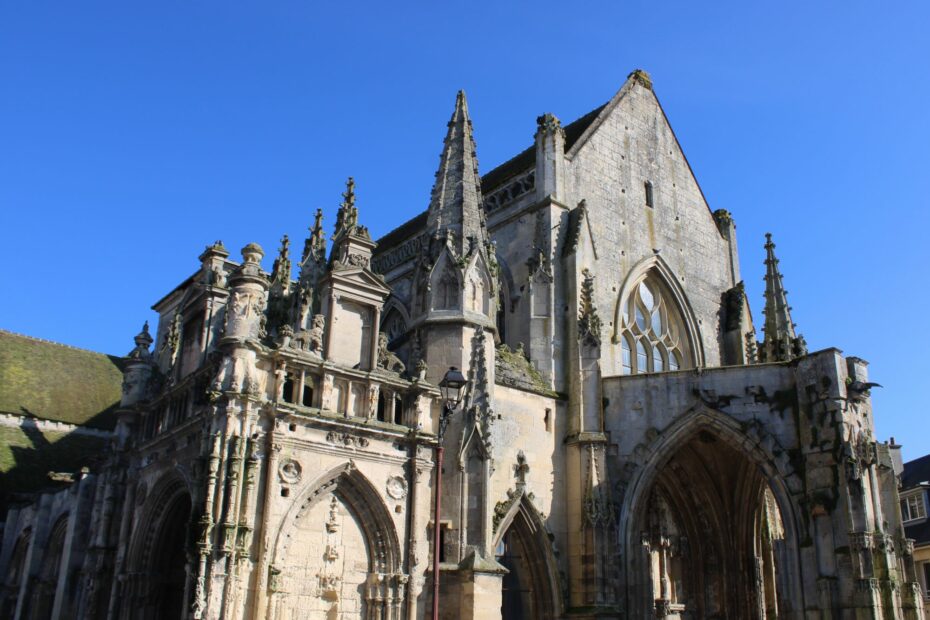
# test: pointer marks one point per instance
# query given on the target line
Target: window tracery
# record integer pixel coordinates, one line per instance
(651, 326)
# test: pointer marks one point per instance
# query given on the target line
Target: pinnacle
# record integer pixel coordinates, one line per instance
(780, 337)
(455, 202)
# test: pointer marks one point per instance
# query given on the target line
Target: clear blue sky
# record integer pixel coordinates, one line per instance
(133, 134)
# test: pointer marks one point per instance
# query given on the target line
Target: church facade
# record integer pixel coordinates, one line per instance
(626, 446)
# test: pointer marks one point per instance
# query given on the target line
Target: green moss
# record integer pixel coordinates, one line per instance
(56, 382)
(514, 365)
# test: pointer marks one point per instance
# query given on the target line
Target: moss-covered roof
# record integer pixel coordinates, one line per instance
(52, 381)
(27, 454)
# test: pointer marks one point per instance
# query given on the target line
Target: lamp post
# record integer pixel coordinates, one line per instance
(452, 388)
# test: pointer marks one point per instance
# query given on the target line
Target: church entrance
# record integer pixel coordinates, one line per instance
(527, 587)
(169, 563)
(712, 535)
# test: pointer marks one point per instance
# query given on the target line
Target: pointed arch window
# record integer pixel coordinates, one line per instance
(652, 327)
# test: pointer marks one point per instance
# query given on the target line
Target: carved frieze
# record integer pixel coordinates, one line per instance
(519, 186)
(345, 439)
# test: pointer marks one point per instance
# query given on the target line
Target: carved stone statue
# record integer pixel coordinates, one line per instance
(315, 343)
(386, 359)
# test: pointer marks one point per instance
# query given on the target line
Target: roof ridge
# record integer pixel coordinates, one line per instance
(57, 344)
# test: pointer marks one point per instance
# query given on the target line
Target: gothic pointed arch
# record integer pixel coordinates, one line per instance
(480, 288)
(16, 566)
(43, 594)
(445, 283)
(355, 564)
(654, 323)
(523, 545)
(692, 516)
(158, 583)
(507, 298)
(395, 321)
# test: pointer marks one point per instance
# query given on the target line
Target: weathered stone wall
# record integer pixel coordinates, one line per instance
(634, 144)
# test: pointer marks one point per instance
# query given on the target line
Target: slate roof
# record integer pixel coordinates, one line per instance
(915, 473)
(494, 179)
(52, 381)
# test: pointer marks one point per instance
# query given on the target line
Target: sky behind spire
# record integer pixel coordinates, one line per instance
(134, 135)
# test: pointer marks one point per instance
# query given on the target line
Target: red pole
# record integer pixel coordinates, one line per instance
(436, 532)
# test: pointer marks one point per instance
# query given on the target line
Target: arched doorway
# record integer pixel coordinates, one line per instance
(169, 561)
(530, 588)
(156, 584)
(44, 591)
(14, 576)
(337, 556)
(712, 535)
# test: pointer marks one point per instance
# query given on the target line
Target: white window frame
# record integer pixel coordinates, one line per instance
(913, 507)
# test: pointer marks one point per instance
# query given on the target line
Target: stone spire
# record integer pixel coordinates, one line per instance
(781, 344)
(352, 244)
(315, 244)
(281, 271)
(455, 204)
(347, 216)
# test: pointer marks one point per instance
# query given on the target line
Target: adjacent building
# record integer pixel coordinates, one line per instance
(915, 482)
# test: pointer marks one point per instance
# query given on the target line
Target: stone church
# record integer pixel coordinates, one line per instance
(625, 444)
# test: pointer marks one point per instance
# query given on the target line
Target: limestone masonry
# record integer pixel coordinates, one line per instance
(627, 446)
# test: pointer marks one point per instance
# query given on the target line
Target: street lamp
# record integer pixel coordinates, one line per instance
(452, 388)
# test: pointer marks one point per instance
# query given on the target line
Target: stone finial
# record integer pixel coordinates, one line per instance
(642, 77)
(548, 124)
(455, 202)
(281, 271)
(724, 221)
(589, 323)
(347, 216)
(781, 343)
(252, 253)
(315, 244)
(143, 341)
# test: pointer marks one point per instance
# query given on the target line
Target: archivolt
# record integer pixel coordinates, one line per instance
(361, 497)
(165, 492)
(543, 567)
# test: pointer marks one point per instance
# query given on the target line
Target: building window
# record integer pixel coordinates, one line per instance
(652, 328)
(307, 400)
(627, 355)
(912, 508)
(649, 197)
(288, 392)
(927, 579)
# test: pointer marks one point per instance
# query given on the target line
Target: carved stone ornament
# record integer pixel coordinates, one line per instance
(346, 439)
(396, 487)
(141, 493)
(290, 471)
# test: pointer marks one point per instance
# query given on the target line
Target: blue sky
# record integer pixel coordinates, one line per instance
(133, 134)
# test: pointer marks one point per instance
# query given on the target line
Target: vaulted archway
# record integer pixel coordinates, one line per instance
(710, 529)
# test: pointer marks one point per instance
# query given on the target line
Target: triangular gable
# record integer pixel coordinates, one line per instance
(641, 78)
